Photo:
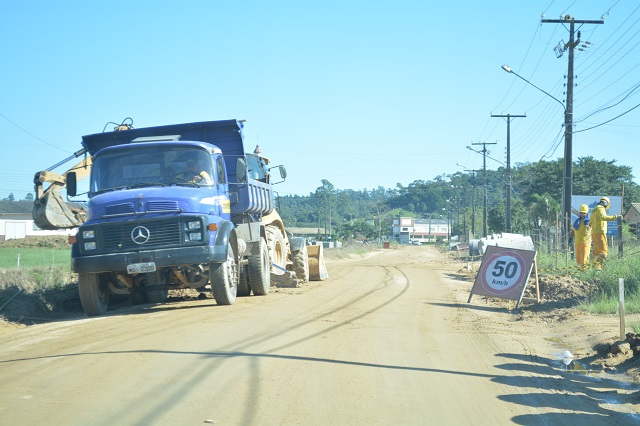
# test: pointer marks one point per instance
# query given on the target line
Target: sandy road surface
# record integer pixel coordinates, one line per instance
(389, 339)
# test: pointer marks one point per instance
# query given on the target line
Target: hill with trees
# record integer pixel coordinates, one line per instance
(536, 197)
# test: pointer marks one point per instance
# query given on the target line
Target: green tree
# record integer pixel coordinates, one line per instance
(599, 177)
(325, 196)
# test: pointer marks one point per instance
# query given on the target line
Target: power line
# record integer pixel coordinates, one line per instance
(29, 133)
(608, 121)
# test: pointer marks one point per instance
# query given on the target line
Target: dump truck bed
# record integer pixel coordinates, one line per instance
(253, 197)
(225, 134)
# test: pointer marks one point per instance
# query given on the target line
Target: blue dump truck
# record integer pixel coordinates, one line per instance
(173, 207)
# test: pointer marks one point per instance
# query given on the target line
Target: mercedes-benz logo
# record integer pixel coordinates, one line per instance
(140, 235)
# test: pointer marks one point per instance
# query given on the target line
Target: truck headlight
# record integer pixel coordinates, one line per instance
(89, 235)
(194, 225)
(195, 236)
(91, 245)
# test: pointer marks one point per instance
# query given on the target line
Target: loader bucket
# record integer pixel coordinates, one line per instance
(51, 212)
(317, 268)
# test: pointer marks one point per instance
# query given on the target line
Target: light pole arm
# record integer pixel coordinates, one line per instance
(510, 71)
(484, 153)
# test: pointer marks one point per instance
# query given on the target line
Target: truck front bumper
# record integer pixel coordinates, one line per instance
(117, 262)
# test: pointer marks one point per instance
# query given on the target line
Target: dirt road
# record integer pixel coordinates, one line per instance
(389, 339)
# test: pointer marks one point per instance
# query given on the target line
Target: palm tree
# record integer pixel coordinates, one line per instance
(542, 213)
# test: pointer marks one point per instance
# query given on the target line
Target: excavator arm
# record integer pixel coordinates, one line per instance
(50, 211)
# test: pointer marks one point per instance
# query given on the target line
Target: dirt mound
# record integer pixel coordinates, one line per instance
(556, 288)
(53, 241)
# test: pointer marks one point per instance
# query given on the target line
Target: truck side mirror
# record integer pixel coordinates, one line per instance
(72, 184)
(283, 173)
(241, 170)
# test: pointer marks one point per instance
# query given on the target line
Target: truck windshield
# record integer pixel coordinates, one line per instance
(151, 166)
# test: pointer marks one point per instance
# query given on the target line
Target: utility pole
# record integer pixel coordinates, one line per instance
(484, 183)
(508, 177)
(473, 200)
(568, 113)
(473, 203)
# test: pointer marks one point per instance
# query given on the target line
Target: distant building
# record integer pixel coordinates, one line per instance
(16, 222)
(632, 217)
(407, 230)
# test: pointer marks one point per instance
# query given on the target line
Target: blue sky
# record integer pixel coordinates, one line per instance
(365, 94)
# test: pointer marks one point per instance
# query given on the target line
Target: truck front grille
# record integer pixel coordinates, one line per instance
(162, 233)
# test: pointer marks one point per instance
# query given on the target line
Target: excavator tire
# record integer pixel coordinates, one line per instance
(259, 271)
(317, 267)
(94, 294)
(157, 278)
(277, 249)
(224, 279)
(300, 260)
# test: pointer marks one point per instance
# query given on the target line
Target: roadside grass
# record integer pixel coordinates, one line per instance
(34, 257)
(36, 279)
(605, 299)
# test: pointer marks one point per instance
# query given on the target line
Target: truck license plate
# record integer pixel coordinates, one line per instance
(141, 268)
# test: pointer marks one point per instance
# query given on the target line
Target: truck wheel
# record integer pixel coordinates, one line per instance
(224, 279)
(259, 270)
(156, 278)
(243, 283)
(300, 259)
(94, 294)
(277, 250)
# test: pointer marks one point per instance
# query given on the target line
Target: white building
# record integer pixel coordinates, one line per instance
(16, 221)
(406, 230)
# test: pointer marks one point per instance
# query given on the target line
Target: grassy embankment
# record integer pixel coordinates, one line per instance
(39, 268)
(605, 299)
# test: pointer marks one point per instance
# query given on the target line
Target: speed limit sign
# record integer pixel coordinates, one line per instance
(504, 273)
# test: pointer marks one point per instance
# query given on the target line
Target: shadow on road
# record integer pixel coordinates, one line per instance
(595, 397)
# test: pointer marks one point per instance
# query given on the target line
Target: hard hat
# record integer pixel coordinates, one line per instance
(584, 208)
(606, 200)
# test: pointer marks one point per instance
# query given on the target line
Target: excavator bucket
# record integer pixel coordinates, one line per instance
(317, 268)
(51, 212)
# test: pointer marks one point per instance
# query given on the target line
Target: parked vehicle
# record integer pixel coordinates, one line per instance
(170, 207)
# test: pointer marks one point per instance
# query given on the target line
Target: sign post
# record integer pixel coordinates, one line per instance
(621, 305)
(504, 273)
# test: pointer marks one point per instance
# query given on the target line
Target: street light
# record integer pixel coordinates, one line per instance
(510, 71)
(473, 199)
(568, 137)
(488, 156)
(484, 183)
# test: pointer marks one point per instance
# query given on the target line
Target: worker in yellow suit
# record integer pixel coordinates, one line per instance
(598, 222)
(582, 237)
